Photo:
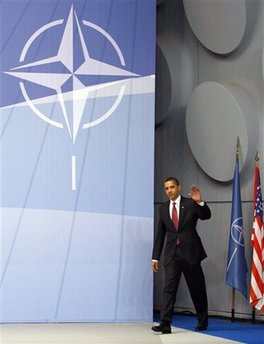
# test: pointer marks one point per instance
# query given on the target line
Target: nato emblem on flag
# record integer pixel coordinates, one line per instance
(236, 264)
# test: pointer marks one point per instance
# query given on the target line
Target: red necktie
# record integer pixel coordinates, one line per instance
(175, 218)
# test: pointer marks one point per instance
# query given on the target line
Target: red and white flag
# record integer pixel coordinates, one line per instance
(257, 242)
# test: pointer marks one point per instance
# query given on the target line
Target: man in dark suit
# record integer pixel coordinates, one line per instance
(183, 251)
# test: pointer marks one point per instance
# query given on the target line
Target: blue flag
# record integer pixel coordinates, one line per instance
(236, 263)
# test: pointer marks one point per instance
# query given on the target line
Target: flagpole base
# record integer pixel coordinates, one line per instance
(233, 315)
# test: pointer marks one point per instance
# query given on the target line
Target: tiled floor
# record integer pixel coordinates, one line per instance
(99, 333)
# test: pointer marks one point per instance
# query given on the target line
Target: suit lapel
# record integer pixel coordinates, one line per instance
(182, 211)
(167, 213)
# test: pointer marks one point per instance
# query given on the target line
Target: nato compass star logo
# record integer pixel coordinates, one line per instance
(237, 236)
(237, 231)
(73, 73)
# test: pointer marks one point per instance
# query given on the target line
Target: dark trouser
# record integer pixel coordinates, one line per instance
(195, 281)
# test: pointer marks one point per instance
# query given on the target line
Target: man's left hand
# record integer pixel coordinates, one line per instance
(196, 194)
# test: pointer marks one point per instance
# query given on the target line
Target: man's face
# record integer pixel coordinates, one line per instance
(172, 190)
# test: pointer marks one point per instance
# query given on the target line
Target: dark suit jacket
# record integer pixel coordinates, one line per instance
(190, 241)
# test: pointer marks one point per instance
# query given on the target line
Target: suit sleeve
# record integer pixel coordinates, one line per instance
(159, 238)
(203, 212)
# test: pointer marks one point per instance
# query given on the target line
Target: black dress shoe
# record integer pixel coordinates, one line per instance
(201, 327)
(162, 328)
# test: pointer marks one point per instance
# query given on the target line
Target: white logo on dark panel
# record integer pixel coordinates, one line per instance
(72, 120)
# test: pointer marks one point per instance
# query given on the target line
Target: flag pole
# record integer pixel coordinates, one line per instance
(233, 289)
(237, 147)
(257, 158)
(233, 305)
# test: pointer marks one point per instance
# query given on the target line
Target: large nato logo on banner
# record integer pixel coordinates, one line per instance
(67, 83)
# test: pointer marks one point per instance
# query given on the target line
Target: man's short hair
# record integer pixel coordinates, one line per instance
(172, 179)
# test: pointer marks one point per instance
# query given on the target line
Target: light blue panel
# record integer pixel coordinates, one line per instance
(32, 260)
(77, 234)
(76, 266)
(119, 265)
(42, 155)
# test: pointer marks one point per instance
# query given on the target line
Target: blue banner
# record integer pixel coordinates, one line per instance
(77, 157)
(236, 263)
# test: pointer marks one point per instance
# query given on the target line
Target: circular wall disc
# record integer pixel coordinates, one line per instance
(218, 25)
(214, 120)
(263, 63)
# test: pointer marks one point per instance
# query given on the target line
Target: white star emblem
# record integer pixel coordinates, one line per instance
(65, 55)
(55, 81)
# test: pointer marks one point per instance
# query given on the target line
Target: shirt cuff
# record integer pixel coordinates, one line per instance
(201, 203)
